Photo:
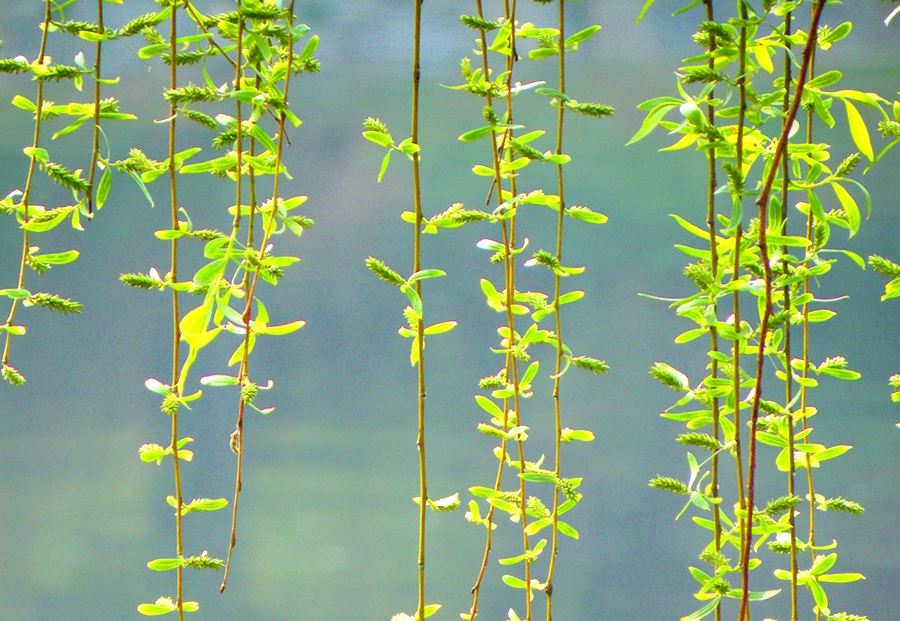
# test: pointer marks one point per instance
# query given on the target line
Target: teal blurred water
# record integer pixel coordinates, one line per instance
(326, 527)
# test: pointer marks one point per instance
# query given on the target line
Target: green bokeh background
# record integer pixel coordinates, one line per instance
(327, 529)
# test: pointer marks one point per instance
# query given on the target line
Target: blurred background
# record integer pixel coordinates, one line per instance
(327, 529)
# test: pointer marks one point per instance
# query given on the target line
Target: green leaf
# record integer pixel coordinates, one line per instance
(247, 95)
(379, 138)
(194, 322)
(567, 530)
(849, 205)
(586, 215)
(868, 99)
(691, 228)
(165, 564)
(686, 8)
(851, 577)
(425, 274)
(150, 51)
(42, 226)
(538, 525)
(516, 583)
(199, 340)
(859, 131)
(582, 35)
(70, 128)
(570, 297)
(825, 80)
(152, 610)
(504, 506)
(103, 187)
(483, 171)
(23, 103)
(787, 240)
(154, 385)
(552, 92)
(516, 164)
(408, 146)
(653, 119)
(818, 594)
(821, 315)
(699, 575)
(263, 137)
(219, 380)
(644, 10)
(17, 330)
(838, 33)
(580, 435)
(414, 299)
(692, 114)
(310, 49)
(491, 408)
(542, 52)
(16, 294)
(690, 335)
(560, 158)
(204, 504)
(489, 244)
(238, 354)
(475, 134)
(384, 166)
(283, 329)
(513, 560)
(39, 154)
(705, 610)
(850, 255)
(165, 605)
(153, 452)
(484, 492)
(414, 351)
(842, 374)
(58, 258)
(538, 477)
(831, 453)
(760, 596)
(533, 368)
(209, 272)
(440, 328)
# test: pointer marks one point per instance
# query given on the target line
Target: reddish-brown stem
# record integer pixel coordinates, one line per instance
(26, 195)
(763, 204)
(238, 443)
(176, 331)
(95, 149)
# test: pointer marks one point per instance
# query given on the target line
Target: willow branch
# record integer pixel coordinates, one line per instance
(763, 204)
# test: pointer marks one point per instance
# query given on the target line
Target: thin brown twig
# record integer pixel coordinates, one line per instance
(238, 444)
(786, 303)
(420, 325)
(714, 268)
(744, 522)
(763, 204)
(557, 406)
(495, 153)
(176, 329)
(95, 149)
(26, 195)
